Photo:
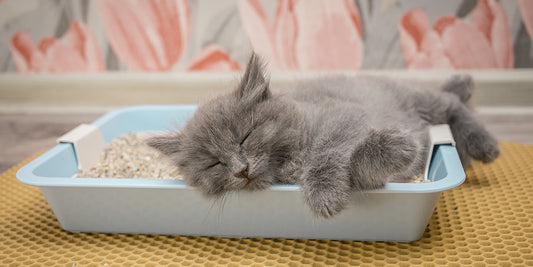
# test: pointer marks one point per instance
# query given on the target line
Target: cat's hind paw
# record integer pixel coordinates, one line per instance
(482, 146)
(461, 85)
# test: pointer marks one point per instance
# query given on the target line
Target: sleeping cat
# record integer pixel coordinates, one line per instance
(332, 136)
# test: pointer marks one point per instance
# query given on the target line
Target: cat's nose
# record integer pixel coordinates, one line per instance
(242, 172)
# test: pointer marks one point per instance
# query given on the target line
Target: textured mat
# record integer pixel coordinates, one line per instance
(487, 220)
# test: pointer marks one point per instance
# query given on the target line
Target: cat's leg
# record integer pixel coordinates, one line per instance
(460, 85)
(326, 184)
(416, 169)
(473, 140)
(383, 153)
(471, 137)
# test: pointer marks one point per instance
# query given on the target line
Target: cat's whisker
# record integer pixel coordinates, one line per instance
(213, 204)
(219, 202)
(220, 205)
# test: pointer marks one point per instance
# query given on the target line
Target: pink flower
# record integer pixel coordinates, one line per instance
(455, 43)
(147, 35)
(77, 51)
(213, 58)
(308, 34)
(526, 9)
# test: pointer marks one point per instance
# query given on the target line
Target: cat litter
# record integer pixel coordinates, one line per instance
(127, 156)
(398, 212)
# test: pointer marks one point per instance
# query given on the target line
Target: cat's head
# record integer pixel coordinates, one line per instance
(236, 141)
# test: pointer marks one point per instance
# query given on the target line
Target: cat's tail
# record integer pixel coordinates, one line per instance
(460, 85)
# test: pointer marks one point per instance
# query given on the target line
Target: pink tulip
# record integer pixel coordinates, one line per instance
(147, 35)
(77, 51)
(454, 43)
(306, 34)
(526, 9)
(213, 58)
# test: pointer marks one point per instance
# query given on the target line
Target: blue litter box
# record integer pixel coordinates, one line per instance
(398, 212)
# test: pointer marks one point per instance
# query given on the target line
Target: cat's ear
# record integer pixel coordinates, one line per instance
(167, 144)
(254, 84)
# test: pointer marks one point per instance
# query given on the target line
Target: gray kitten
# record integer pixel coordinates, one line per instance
(332, 136)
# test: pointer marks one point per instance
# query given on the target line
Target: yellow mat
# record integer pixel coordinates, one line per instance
(487, 220)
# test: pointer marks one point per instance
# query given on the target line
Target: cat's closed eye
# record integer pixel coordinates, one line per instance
(214, 164)
(245, 137)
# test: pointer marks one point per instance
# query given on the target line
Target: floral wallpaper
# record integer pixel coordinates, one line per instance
(55, 36)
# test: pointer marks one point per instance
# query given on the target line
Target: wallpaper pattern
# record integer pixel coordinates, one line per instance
(200, 35)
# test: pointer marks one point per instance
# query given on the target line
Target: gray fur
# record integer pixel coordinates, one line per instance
(332, 136)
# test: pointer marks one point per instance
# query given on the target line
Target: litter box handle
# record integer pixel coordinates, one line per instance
(440, 134)
(88, 143)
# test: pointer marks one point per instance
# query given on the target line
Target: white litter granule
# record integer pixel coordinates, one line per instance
(128, 156)
(418, 179)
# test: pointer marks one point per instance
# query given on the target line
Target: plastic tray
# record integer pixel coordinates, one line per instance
(398, 212)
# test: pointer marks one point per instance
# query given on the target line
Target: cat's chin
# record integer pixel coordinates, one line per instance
(257, 185)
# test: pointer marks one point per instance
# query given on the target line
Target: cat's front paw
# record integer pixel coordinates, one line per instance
(402, 149)
(325, 204)
(326, 185)
(383, 153)
(482, 146)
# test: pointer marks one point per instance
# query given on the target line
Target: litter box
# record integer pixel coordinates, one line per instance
(398, 212)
